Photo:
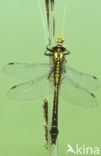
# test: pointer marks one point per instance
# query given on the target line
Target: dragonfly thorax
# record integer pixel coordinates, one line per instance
(58, 51)
(58, 55)
(58, 48)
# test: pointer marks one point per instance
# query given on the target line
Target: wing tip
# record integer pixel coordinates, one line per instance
(11, 63)
(94, 77)
(95, 103)
(5, 67)
(92, 95)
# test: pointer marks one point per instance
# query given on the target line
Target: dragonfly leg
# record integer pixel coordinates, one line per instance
(47, 53)
(49, 49)
(51, 71)
(64, 70)
(67, 52)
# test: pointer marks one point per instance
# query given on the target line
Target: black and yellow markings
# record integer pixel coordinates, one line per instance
(57, 74)
(54, 127)
(54, 133)
(57, 59)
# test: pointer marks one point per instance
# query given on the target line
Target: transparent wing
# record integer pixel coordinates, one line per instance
(30, 90)
(84, 80)
(26, 71)
(77, 95)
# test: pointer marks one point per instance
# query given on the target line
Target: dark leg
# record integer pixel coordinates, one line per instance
(47, 53)
(51, 71)
(67, 52)
(49, 48)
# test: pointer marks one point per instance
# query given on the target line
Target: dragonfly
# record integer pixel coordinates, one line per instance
(74, 86)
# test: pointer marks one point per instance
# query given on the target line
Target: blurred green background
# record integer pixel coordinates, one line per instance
(22, 40)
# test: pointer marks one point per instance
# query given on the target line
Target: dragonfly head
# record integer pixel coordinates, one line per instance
(60, 39)
(58, 50)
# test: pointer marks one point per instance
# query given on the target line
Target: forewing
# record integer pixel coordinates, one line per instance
(77, 95)
(87, 81)
(26, 71)
(30, 90)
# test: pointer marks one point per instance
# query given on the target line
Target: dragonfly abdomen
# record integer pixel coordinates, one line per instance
(57, 74)
(54, 127)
